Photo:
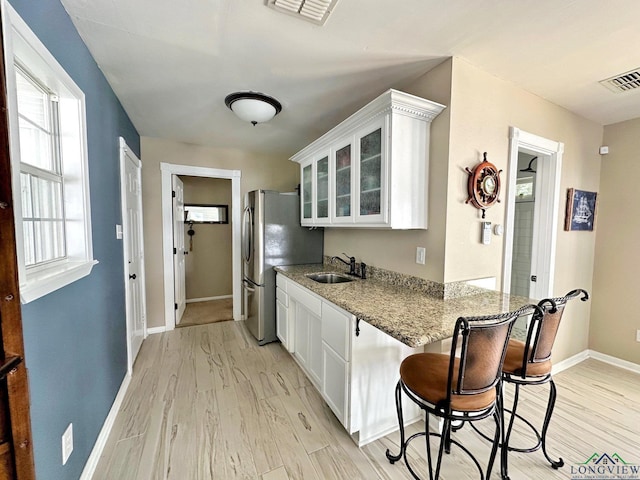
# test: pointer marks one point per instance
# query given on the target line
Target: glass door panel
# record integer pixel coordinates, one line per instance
(371, 173)
(306, 191)
(343, 181)
(322, 188)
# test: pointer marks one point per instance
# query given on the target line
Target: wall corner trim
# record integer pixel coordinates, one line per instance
(153, 330)
(101, 441)
(570, 362)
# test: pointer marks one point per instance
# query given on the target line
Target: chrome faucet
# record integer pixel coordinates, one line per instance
(351, 263)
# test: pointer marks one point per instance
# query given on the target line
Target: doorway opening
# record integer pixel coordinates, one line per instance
(525, 198)
(533, 205)
(175, 229)
(207, 276)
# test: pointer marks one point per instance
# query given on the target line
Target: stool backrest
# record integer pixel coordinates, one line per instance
(544, 327)
(483, 344)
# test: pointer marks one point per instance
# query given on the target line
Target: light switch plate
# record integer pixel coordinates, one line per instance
(67, 443)
(119, 232)
(421, 253)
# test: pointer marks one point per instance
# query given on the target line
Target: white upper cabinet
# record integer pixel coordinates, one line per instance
(370, 170)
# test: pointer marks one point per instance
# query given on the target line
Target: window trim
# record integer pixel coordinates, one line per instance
(20, 42)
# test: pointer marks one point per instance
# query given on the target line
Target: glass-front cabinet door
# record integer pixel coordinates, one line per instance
(307, 193)
(371, 205)
(343, 175)
(322, 188)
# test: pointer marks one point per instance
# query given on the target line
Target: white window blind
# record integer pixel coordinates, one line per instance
(41, 180)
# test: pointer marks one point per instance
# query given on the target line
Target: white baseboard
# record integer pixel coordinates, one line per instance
(98, 447)
(582, 356)
(207, 299)
(569, 362)
(152, 330)
(616, 362)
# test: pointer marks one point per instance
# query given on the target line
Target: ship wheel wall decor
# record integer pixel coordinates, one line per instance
(483, 185)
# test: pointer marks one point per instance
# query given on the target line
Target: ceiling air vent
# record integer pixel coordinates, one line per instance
(315, 11)
(624, 82)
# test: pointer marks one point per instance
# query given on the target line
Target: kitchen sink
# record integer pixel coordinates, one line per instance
(329, 278)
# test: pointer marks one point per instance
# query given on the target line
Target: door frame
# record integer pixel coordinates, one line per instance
(545, 228)
(167, 170)
(124, 150)
(12, 345)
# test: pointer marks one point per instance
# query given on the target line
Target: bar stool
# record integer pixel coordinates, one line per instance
(464, 388)
(529, 363)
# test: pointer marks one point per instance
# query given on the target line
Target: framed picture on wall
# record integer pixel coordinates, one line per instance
(581, 210)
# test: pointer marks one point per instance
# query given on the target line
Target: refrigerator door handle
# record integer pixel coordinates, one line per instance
(247, 286)
(247, 234)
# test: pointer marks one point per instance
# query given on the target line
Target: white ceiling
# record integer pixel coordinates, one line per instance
(172, 63)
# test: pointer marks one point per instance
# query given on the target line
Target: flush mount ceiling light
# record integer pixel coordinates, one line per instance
(315, 11)
(253, 107)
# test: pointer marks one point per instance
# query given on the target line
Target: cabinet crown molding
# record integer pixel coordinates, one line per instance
(392, 100)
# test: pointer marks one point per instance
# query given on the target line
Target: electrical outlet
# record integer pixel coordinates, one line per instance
(420, 255)
(67, 443)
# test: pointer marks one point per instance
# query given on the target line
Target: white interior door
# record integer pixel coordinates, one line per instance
(130, 168)
(179, 251)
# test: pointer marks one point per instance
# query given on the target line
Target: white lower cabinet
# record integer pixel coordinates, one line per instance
(315, 350)
(335, 386)
(356, 374)
(283, 326)
(375, 371)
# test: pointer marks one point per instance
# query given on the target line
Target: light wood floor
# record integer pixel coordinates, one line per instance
(202, 313)
(206, 402)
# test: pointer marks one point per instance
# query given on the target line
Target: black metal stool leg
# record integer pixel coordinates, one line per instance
(394, 458)
(496, 442)
(545, 426)
(444, 443)
(504, 450)
(514, 407)
(446, 435)
(428, 443)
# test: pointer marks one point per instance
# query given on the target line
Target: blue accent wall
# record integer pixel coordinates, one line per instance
(75, 338)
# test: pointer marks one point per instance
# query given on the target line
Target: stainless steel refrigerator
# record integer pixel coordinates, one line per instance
(272, 235)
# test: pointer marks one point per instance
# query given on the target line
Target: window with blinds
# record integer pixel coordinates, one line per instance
(41, 176)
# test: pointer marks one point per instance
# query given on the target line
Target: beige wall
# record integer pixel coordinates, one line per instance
(258, 171)
(616, 303)
(208, 264)
(396, 250)
(483, 108)
(480, 110)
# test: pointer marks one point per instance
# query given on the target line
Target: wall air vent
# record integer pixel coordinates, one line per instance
(315, 11)
(623, 82)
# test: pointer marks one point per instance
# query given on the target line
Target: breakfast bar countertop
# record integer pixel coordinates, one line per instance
(412, 317)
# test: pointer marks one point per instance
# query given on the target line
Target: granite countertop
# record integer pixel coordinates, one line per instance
(412, 317)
